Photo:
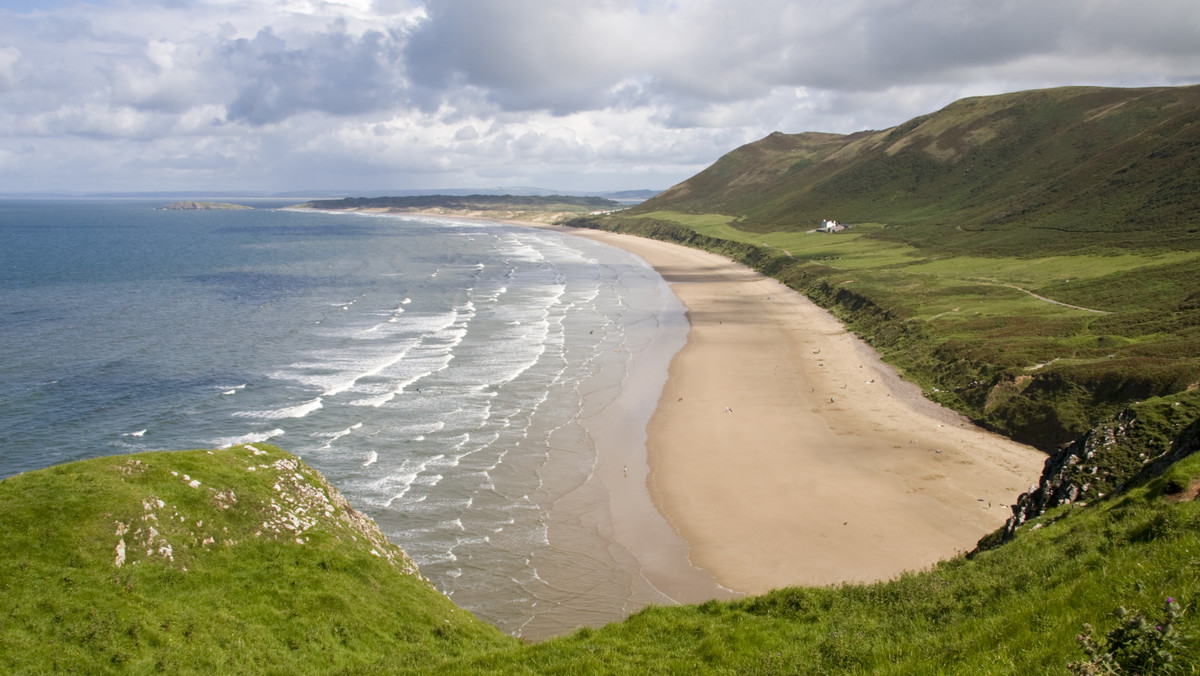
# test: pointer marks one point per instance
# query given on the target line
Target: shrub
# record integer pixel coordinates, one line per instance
(1133, 647)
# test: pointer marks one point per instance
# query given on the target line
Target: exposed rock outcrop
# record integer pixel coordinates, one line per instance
(1071, 474)
(1103, 461)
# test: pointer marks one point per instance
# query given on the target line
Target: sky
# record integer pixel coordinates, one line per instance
(567, 95)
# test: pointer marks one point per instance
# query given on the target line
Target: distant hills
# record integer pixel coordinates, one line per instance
(188, 205)
(473, 202)
(529, 208)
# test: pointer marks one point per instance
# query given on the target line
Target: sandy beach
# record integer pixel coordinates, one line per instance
(785, 453)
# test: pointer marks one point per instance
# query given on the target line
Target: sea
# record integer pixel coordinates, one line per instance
(440, 372)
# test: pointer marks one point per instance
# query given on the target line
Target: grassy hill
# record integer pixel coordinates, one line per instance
(193, 562)
(1054, 170)
(235, 561)
(1030, 259)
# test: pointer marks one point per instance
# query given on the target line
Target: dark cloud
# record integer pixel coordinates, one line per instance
(571, 56)
(525, 54)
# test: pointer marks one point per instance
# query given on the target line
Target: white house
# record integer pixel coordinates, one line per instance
(831, 226)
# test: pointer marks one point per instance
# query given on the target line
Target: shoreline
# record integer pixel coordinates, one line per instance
(782, 450)
(785, 452)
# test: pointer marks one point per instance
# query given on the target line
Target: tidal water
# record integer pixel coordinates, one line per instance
(437, 371)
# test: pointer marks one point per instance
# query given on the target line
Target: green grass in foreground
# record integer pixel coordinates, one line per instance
(257, 601)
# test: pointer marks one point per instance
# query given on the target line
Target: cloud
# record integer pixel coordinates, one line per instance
(566, 57)
(331, 72)
(276, 94)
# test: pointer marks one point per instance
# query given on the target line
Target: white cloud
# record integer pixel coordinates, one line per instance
(374, 94)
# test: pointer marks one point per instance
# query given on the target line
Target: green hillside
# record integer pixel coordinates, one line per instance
(1064, 169)
(192, 562)
(1030, 259)
(236, 561)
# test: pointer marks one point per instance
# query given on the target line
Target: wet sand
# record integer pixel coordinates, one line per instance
(785, 453)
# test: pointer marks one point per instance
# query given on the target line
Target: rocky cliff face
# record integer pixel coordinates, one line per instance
(1073, 473)
(1105, 461)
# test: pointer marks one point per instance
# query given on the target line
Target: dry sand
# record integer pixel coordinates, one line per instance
(785, 453)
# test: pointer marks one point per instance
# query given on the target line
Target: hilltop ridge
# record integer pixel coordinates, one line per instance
(1069, 168)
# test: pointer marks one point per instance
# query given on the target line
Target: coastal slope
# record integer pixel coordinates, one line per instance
(257, 601)
(243, 560)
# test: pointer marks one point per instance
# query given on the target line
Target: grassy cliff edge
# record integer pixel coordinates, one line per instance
(245, 561)
(242, 560)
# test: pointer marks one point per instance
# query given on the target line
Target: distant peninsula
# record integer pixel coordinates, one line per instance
(203, 206)
(536, 208)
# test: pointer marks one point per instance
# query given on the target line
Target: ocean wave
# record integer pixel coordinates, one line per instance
(252, 438)
(334, 436)
(298, 411)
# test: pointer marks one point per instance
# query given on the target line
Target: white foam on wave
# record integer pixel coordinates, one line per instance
(371, 458)
(298, 411)
(334, 436)
(438, 344)
(450, 325)
(234, 390)
(400, 482)
(349, 382)
(252, 438)
(396, 390)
